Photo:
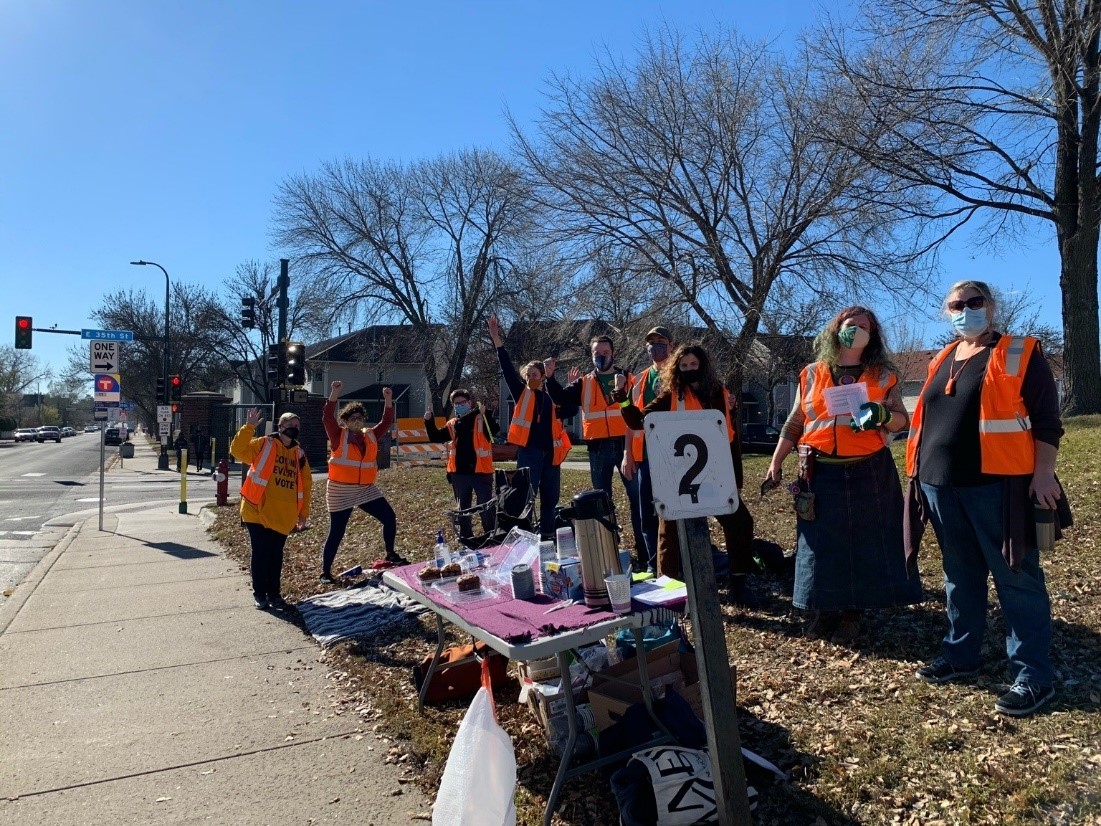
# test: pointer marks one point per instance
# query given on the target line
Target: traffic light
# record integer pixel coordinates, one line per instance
(162, 393)
(248, 312)
(175, 388)
(24, 329)
(175, 409)
(276, 365)
(294, 357)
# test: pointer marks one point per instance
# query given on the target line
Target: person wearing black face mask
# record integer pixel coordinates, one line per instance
(470, 432)
(353, 469)
(275, 500)
(689, 383)
(602, 424)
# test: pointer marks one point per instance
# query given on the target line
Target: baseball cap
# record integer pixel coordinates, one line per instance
(660, 331)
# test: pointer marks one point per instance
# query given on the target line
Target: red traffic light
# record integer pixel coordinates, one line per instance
(23, 322)
(175, 408)
(176, 381)
(24, 331)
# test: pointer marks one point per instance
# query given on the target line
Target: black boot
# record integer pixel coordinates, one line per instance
(741, 595)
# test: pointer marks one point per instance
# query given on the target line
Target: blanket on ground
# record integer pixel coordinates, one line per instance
(356, 612)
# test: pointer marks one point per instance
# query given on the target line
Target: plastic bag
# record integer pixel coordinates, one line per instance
(479, 781)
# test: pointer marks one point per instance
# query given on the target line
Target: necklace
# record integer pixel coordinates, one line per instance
(950, 386)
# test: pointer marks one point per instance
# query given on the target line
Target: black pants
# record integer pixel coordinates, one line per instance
(338, 524)
(266, 563)
(466, 485)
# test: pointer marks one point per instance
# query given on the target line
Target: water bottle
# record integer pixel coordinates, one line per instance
(1045, 526)
(443, 553)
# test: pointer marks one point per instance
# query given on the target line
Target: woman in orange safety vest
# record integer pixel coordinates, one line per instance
(982, 451)
(275, 500)
(353, 470)
(688, 382)
(536, 429)
(848, 499)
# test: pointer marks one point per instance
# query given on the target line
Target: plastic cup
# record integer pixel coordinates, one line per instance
(619, 592)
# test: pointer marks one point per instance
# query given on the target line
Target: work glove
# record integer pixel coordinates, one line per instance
(870, 416)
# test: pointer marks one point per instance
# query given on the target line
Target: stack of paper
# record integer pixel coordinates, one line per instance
(660, 591)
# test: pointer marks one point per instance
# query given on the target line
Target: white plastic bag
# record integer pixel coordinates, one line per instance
(479, 781)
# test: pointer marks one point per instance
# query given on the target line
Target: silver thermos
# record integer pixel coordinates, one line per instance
(596, 533)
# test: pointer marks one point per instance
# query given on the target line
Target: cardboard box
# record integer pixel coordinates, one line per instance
(666, 667)
(547, 701)
(562, 578)
(537, 670)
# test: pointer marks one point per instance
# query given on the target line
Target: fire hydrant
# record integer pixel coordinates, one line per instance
(221, 476)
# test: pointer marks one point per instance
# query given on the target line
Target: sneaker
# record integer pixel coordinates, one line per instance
(1023, 699)
(396, 559)
(942, 671)
(261, 603)
(326, 579)
(279, 604)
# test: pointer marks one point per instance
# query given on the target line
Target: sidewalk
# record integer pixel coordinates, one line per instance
(138, 684)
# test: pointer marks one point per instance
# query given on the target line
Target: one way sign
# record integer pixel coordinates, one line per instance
(103, 356)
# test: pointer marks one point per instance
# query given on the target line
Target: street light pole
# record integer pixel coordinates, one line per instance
(162, 460)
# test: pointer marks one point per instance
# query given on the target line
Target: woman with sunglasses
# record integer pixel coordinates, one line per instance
(353, 469)
(981, 453)
(848, 499)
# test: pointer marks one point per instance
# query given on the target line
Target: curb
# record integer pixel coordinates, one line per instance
(10, 609)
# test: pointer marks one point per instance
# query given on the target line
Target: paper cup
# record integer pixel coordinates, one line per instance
(619, 592)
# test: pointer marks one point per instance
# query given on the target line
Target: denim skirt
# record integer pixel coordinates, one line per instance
(850, 555)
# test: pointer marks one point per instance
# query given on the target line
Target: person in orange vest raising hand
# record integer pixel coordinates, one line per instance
(981, 462)
(275, 500)
(688, 382)
(602, 424)
(536, 429)
(847, 497)
(353, 470)
(469, 432)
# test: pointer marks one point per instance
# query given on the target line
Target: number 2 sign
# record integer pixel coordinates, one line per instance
(691, 470)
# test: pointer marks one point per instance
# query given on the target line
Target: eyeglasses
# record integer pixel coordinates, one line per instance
(976, 302)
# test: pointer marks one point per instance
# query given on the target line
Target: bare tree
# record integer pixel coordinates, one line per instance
(994, 105)
(19, 370)
(432, 244)
(706, 164)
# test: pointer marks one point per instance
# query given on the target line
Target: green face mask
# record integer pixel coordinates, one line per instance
(853, 337)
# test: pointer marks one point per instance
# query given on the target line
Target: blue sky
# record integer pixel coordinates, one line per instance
(161, 130)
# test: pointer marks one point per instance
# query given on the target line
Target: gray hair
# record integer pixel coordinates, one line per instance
(286, 417)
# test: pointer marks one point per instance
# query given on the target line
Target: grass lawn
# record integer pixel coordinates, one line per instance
(865, 742)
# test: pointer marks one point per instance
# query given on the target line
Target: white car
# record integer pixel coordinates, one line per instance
(26, 434)
(91, 428)
(48, 432)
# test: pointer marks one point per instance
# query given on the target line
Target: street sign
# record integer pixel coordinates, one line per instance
(100, 414)
(105, 405)
(107, 387)
(103, 356)
(107, 335)
(691, 469)
(164, 428)
(126, 405)
(164, 413)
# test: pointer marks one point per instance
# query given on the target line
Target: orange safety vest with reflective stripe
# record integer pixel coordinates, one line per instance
(1006, 447)
(256, 479)
(600, 418)
(637, 438)
(833, 435)
(351, 466)
(690, 402)
(483, 448)
(519, 429)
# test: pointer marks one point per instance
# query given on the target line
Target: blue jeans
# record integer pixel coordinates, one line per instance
(546, 483)
(605, 459)
(968, 525)
(647, 513)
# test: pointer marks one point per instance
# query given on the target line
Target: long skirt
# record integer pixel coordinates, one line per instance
(850, 556)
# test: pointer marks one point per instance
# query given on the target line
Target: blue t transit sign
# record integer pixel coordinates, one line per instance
(108, 335)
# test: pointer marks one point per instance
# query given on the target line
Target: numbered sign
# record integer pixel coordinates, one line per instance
(691, 470)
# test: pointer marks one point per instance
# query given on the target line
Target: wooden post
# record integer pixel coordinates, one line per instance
(719, 711)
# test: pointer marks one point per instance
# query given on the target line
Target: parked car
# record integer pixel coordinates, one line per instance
(759, 438)
(91, 428)
(47, 432)
(113, 436)
(26, 434)
(66, 432)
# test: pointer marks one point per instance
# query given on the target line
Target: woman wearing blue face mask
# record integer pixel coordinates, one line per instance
(982, 450)
(470, 432)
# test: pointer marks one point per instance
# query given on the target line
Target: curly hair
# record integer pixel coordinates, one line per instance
(671, 378)
(876, 356)
(350, 410)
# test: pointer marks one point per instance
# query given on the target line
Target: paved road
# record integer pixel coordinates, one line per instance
(46, 488)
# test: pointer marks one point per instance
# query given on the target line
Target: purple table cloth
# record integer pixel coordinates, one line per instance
(512, 620)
